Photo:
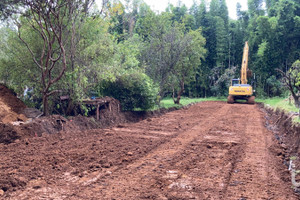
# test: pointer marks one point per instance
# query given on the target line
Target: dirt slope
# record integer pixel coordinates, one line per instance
(211, 150)
(11, 107)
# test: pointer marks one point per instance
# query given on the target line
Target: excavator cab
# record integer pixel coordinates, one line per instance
(235, 82)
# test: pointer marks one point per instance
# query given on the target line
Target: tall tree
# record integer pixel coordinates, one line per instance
(221, 42)
(190, 60)
(49, 19)
(178, 12)
(292, 81)
(214, 8)
(255, 7)
(223, 10)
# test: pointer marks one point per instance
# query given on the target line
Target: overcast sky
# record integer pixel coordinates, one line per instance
(161, 5)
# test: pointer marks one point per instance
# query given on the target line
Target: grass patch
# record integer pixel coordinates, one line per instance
(169, 103)
(281, 103)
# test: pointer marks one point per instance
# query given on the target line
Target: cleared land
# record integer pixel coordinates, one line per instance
(211, 150)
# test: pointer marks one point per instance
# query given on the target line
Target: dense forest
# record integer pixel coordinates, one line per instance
(78, 49)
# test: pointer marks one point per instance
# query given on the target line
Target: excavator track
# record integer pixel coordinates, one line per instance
(230, 99)
(251, 100)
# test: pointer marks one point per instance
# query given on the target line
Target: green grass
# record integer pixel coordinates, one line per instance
(169, 103)
(282, 104)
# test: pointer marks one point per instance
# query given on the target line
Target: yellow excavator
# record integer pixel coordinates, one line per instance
(240, 89)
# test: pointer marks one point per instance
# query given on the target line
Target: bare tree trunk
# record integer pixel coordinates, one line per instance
(173, 95)
(180, 92)
(70, 106)
(45, 105)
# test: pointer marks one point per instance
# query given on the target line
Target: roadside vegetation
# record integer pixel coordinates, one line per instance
(56, 53)
(168, 102)
(281, 103)
(285, 104)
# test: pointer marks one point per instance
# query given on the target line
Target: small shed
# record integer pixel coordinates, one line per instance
(108, 102)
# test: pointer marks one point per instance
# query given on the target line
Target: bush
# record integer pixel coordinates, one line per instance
(134, 90)
(274, 87)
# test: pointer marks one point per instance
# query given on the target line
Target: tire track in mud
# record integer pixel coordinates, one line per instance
(257, 176)
(128, 183)
(70, 186)
(207, 163)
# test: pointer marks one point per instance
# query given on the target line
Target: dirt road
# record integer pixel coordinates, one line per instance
(211, 150)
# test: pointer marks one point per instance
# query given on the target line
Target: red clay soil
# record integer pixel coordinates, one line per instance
(287, 134)
(10, 99)
(211, 150)
(11, 107)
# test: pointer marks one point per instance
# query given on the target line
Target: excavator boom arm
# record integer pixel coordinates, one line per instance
(245, 64)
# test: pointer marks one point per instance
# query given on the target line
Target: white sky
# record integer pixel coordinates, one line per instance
(161, 5)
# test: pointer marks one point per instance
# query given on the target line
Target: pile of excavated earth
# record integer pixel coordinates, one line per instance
(209, 150)
(18, 121)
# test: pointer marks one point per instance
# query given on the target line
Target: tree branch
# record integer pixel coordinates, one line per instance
(29, 49)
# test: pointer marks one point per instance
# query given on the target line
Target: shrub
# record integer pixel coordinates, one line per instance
(134, 90)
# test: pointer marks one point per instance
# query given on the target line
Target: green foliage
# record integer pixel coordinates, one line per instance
(146, 22)
(17, 68)
(173, 55)
(262, 48)
(7, 7)
(274, 86)
(295, 72)
(221, 41)
(129, 52)
(255, 7)
(222, 83)
(133, 89)
(260, 92)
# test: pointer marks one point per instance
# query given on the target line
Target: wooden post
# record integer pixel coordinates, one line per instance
(98, 106)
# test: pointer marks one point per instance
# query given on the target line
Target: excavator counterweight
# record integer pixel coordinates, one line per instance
(240, 89)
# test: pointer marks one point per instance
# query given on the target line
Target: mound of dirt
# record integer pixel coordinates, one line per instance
(110, 115)
(11, 100)
(11, 107)
(7, 133)
(32, 112)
